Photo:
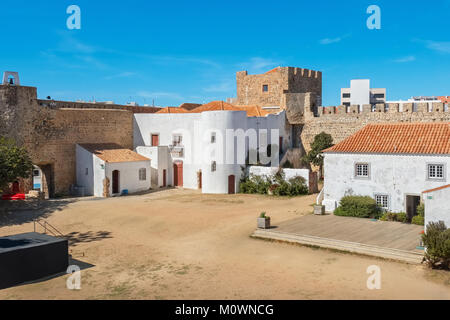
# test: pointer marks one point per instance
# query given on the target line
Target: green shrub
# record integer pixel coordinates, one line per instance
(421, 210)
(419, 220)
(402, 217)
(288, 165)
(280, 187)
(358, 206)
(437, 243)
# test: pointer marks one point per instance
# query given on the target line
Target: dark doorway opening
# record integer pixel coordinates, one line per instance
(231, 184)
(164, 178)
(115, 181)
(411, 206)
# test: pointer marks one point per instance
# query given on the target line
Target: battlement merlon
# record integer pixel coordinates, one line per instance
(269, 88)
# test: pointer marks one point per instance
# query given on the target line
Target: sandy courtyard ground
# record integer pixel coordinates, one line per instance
(180, 244)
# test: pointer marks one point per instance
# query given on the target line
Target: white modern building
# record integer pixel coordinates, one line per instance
(206, 148)
(108, 170)
(393, 163)
(437, 205)
(360, 94)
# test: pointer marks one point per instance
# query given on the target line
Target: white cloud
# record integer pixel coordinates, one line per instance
(155, 95)
(258, 65)
(405, 59)
(439, 46)
(225, 86)
(125, 74)
(327, 41)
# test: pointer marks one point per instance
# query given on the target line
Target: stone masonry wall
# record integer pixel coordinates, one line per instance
(50, 134)
(341, 122)
(280, 81)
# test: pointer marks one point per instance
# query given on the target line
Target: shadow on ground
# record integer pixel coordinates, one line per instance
(82, 265)
(20, 212)
(75, 238)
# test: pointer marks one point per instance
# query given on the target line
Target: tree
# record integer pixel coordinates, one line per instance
(14, 163)
(321, 142)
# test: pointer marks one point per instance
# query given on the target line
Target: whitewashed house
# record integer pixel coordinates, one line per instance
(108, 170)
(393, 163)
(205, 148)
(437, 205)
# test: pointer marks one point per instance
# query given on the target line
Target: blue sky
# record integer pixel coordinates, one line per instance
(188, 51)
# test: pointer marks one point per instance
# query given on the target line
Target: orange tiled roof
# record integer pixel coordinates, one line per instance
(400, 138)
(173, 110)
(111, 152)
(273, 70)
(437, 189)
(252, 110)
(190, 106)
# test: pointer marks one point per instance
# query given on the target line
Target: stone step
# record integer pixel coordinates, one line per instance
(353, 247)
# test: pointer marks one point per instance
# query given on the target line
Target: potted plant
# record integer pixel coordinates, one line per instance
(263, 221)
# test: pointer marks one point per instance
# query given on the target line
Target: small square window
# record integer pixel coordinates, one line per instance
(436, 171)
(382, 200)
(142, 174)
(265, 88)
(362, 170)
(86, 171)
(213, 166)
(177, 140)
(213, 137)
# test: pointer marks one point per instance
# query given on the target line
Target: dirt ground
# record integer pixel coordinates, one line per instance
(181, 244)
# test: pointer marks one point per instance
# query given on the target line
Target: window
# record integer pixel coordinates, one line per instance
(378, 95)
(213, 166)
(346, 95)
(213, 137)
(382, 200)
(86, 171)
(362, 170)
(142, 174)
(36, 173)
(177, 140)
(436, 171)
(265, 88)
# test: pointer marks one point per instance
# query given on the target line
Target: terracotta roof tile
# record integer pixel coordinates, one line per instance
(252, 110)
(111, 152)
(437, 189)
(400, 138)
(173, 110)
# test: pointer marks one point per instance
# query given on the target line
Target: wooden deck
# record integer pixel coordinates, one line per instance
(393, 240)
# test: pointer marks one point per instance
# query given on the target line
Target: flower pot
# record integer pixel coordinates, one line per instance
(263, 223)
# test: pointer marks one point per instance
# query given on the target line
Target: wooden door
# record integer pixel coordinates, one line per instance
(155, 140)
(178, 174)
(231, 185)
(115, 182)
(199, 179)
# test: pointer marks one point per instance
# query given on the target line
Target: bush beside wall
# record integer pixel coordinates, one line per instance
(358, 206)
(437, 243)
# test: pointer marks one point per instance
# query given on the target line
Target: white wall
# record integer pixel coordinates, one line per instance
(360, 92)
(199, 152)
(160, 160)
(394, 175)
(84, 160)
(271, 171)
(129, 175)
(437, 206)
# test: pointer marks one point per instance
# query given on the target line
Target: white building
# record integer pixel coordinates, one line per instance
(205, 148)
(109, 170)
(437, 205)
(360, 94)
(393, 163)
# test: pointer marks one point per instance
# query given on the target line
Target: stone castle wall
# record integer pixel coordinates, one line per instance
(280, 81)
(341, 122)
(51, 133)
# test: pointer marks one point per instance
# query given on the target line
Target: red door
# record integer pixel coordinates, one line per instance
(164, 178)
(178, 174)
(155, 140)
(200, 180)
(231, 185)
